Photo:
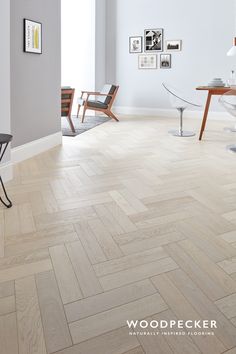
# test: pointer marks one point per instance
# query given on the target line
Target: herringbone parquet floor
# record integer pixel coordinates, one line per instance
(122, 223)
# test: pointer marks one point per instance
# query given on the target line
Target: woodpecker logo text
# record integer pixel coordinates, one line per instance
(172, 327)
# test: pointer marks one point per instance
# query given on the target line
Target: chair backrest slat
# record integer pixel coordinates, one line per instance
(67, 97)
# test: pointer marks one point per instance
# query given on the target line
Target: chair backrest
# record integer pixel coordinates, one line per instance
(67, 97)
(107, 89)
(179, 99)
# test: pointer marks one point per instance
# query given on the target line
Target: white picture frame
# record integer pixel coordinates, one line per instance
(147, 61)
(173, 45)
(135, 44)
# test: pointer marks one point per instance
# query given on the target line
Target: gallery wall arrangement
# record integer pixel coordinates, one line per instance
(153, 42)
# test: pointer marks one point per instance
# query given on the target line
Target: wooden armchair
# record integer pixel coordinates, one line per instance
(67, 97)
(103, 103)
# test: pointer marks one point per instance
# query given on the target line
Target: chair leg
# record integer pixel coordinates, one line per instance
(78, 110)
(112, 115)
(83, 114)
(71, 124)
(7, 204)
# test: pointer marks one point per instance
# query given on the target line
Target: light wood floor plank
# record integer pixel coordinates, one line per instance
(195, 271)
(66, 278)
(90, 242)
(56, 332)
(228, 305)
(2, 233)
(184, 310)
(126, 262)
(7, 289)
(30, 330)
(27, 224)
(227, 284)
(24, 270)
(225, 330)
(108, 300)
(108, 220)
(204, 238)
(107, 243)
(86, 276)
(115, 318)
(121, 217)
(8, 334)
(41, 240)
(138, 273)
(7, 305)
(152, 242)
(118, 206)
(178, 344)
(153, 344)
(138, 350)
(113, 342)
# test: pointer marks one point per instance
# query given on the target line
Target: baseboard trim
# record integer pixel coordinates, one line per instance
(164, 113)
(26, 151)
(6, 171)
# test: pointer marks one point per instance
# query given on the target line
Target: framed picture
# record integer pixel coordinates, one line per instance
(32, 37)
(165, 61)
(147, 61)
(153, 40)
(135, 44)
(174, 45)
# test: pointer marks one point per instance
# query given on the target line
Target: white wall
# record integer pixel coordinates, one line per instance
(5, 118)
(100, 44)
(206, 28)
(78, 44)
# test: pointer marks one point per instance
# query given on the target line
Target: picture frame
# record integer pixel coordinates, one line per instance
(135, 44)
(147, 61)
(153, 40)
(165, 61)
(173, 45)
(32, 37)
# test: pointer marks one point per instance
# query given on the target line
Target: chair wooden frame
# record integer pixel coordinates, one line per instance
(69, 101)
(106, 111)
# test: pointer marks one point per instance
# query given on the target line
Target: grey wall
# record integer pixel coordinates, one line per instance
(206, 28)
(5, 69)
(35, 79)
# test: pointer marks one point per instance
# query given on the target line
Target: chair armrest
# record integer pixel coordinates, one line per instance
(91, 93)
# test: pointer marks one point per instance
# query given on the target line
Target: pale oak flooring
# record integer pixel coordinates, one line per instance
(123, 222)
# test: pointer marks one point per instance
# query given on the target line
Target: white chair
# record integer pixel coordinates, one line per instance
(179, 102)
(228, 101)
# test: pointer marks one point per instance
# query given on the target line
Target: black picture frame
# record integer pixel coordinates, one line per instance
(140, 48)
(32, 36)
(153, 40)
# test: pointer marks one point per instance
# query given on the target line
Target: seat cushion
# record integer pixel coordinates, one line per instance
(97, 104)
(106, 89)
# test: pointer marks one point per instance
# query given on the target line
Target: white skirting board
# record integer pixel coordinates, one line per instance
(170, 113)
(6, 171)
(26, 151)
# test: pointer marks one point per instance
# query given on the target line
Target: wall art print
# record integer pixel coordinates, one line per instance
(32, 37)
